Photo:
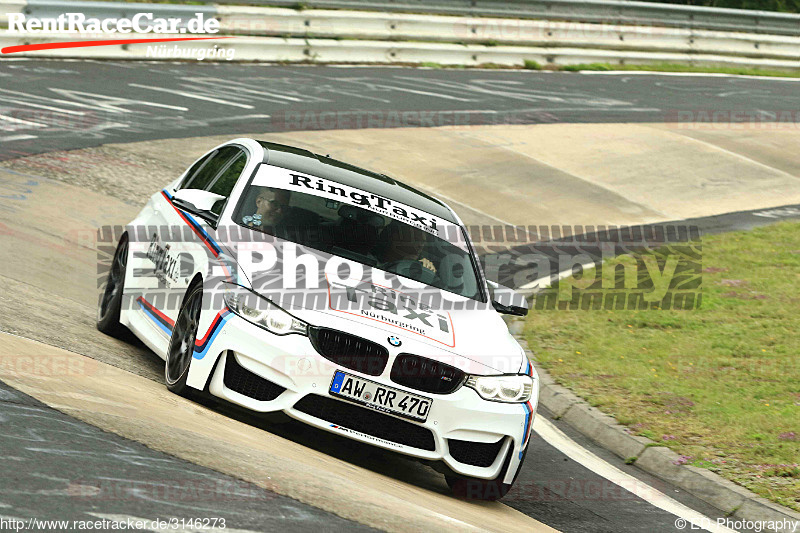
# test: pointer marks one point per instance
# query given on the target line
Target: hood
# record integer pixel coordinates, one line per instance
(376, 305)
(477, 341)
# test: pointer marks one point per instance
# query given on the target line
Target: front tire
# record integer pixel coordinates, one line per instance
(111, 302)
(182, 341)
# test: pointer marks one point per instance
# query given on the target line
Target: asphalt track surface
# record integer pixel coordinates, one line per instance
(51, 105)
(64, 105)
(82, 473)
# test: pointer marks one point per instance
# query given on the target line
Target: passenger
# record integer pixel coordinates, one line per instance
(404, 243)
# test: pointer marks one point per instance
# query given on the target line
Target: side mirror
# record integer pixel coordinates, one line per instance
(198, 202)
(506, 300)
(510, 309)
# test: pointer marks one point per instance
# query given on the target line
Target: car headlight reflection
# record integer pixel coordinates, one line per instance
(262, 312)
(509, 389)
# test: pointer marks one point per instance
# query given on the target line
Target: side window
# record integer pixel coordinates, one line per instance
(224, 184)
(190, 175)
(210, 167)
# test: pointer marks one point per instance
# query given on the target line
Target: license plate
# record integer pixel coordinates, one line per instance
(380, 397)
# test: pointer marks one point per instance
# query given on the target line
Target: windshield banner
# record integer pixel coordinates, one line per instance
(281, 178)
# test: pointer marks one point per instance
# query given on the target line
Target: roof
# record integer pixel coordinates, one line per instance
(300, 160)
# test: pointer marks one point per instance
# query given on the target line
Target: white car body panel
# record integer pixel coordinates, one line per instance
(157, 278)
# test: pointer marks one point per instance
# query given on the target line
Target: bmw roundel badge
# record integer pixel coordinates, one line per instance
(395, 341)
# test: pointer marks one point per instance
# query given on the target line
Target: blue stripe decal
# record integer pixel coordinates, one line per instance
(155, 319)
(524, 429)
(528, 414)
(198, 227)
(211, 336)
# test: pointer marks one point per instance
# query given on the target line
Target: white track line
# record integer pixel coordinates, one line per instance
(17, 138)
(13, 120)
(739, 156)
(556, 438)
(684, 74)
(187, 94)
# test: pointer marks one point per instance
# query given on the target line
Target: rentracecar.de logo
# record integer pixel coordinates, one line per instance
(139, 23)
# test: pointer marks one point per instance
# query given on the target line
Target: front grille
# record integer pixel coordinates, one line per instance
(243, 381)
(350, 351)
(366, 421)
(474, 453)
(426, 374)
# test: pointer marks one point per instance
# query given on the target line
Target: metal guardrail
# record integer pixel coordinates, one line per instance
(310, 50)
(598, 11)
(316, 35)
(617, 12)
(102, 10)
(500, 32)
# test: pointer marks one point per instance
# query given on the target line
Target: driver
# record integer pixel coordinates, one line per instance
(403, 243)
(272, 208)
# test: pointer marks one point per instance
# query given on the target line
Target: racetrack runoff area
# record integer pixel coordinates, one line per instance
(522, 175)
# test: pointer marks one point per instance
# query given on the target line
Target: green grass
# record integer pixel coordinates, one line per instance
(673, 67)
(531, 65)
(719, 385)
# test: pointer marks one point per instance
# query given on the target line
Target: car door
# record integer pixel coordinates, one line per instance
(200, 250)
(175, 243)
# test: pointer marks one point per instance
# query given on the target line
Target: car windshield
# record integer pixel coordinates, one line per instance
(362, 235)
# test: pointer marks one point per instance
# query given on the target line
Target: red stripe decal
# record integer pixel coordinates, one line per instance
(211, 328)
(530, 423)
(155, 311)
(195, 230)
(83, 44)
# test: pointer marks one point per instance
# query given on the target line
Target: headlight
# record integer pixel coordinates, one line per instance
(509, 389)
(262, 312)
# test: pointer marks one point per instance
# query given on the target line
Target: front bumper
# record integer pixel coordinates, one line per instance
(293, 365)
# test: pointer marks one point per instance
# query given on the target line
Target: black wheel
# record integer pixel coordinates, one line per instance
(485, 489)
(111, 302)
(181, 344)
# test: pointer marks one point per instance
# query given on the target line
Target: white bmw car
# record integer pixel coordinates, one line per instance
(284, 281)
